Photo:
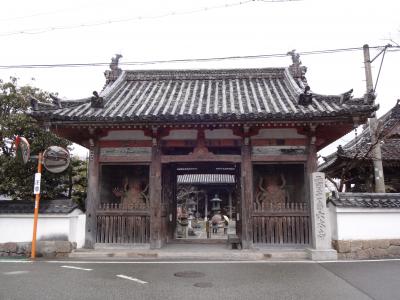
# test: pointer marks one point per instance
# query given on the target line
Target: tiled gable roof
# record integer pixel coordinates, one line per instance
(186, 95)
(62, 206)
(365, 200)
(358, 148)
(206, 179)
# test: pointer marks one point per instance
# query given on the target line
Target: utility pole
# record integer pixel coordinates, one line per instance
(37, 200)
(373, 124)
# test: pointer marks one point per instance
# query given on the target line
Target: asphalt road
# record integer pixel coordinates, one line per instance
(199, 280)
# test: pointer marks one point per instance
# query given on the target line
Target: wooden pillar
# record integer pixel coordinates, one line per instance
(93, 196)
(312, 160)
(230, 205)
(155, 193)
(247, 193)
(205, 206)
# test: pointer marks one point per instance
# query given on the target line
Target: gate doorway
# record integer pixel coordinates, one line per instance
(202, 201)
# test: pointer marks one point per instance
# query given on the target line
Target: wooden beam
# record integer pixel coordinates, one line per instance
(119, 144)
(279, 142)
(126, 159)
(223, 143)
(279, 158)
(190, 158)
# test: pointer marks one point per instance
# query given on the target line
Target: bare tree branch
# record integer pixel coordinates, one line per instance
(333, 182)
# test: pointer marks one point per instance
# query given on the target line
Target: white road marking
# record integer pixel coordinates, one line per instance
(355, 260)
(131, 278)
(205, 262)
(15, 261)
(15, 272)
(187, 262)
(76, 268)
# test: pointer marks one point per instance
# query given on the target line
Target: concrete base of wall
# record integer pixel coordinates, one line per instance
(319, 255)
(367, 249)
(48, 249)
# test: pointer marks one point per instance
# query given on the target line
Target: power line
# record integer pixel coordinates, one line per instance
(41, 30)
(38, 14)
(52, 12)
(186, 60)
(137, 18)
(380, 66)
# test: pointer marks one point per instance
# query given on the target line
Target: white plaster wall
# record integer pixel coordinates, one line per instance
(77, 229)
(19, 227)
(333, 220)
(364, 223)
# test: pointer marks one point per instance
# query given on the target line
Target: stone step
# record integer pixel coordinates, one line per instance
(121, 254)
(199, 241)
(286, 255)
(192, 252)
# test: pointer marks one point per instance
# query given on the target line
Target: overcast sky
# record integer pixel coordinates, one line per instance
(27, 36)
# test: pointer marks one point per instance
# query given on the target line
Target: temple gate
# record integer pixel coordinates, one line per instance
(146, 128)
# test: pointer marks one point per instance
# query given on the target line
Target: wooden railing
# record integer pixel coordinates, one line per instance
(286, 223)
(121, 206)
(283, 207)
(116, 225)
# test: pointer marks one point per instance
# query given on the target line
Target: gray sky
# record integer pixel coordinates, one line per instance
(257, 27)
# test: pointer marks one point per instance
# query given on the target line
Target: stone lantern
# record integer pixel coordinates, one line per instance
(215, 204)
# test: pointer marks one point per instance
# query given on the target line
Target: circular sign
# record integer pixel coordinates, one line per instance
(56, 159)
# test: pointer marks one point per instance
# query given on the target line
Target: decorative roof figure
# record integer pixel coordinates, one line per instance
(296, 68)
(305, 98)
(96, 101)
(346, 96)
(115, 70)
(56, 101)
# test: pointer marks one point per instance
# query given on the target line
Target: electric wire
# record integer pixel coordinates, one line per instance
(38, 14)
(136, 18)
(185, 60)
(380, 68)
(52, 12)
